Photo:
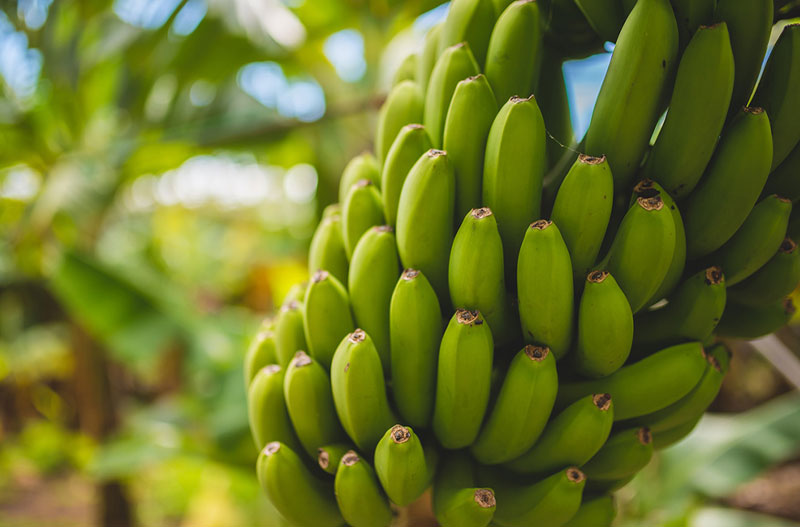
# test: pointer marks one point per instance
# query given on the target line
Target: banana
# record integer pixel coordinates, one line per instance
(425, 219)
(415, 329)
(359, 391)
(328, 456)
(551, 501)
(456, 500)
(748, 323)
(718, 206)
(605, 16)
(466, 127)
(307, 392)
(327, 249)
(260, 353)
(749, 24)
(266, 409)
(582, 209)
(427, 57)
(297, 292)
(406, 70)
(374, 271)
(476, 272)
(363, 166)
(522, 407)
(468, 21)
(403, 106)
(636, 389)
(289, 333)
(362, 209)
(594, 512)
(554, 104)
(359, 495)
(759, 237)
(544, 287)
(700, 101)
(692, 15)
(455, 63)
(630, 99)
(411, 142)
(567, 31)
(783, 180)
(571, 438)
(669, 437)
(625, 453)
(463, 379)
(605, 327)
(515, 49)
(641, 253)
(404, 467)
(513, 172)
(326, 316)
(774, 281)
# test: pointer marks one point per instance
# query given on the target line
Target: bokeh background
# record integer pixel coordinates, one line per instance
(162, 167)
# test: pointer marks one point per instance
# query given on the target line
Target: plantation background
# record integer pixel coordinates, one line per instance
(162, 167)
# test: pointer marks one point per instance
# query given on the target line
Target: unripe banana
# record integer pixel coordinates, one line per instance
(646, 386)
(260, 353)
(630, 99)
(307, 391)
(605, 16)
(730, 187)
(406, 70)
(551, 95)
(551, 501)
(669, 437)
(359, 495)
(468, 21)
(692, 15)
(297, 292)
(571, 438)
(463, 379)
(544, 287)
(404, 467)
(624, 454)
(515, 49)
(425, 218)
(297, 495)
(362, 209)
(410, 144)
(363, 166)
(359, 391)
(266, 409)
(328, 456)
(594, 512)
(456, 500)
(403, 106)
(374, 271)
(469, 118)
(748, 323)
(416, 332)
(476, 272)
(605, 327)
(522, 407)
(774, 281)
(567, 31)
(289, 334)
(326, 316)
(455, 63)
(783, 180)
(757, 239)
(327, 249)
(582, 209)
(513, 172)
(700, 101)
(428, 57)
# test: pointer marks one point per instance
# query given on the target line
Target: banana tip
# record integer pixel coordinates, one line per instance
(575, 475)
(602, 401)
(468, 317)
(323, 458)
(357, 336)
(479, 214)
(434, 153)
(400, 434)
(651, 203)
(293, 305)
(754, 110)
(541, 225)
(301, 359)
(485, 498)
(536, 353)
(271, 448)
(271, 369)
(644, 435)
(350, 459)
(597, 277)
(410, 274)
(788, 246)
(516, 99)
(586, 159)
(319, 276)
(714, 275)
(383, 228)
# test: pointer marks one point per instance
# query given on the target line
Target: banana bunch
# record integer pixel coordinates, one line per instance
(515, 319)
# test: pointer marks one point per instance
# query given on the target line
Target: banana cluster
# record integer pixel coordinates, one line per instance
(511, 322)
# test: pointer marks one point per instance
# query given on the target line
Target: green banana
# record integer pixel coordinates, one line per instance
(605, 327)
(404, 467)
(476, 272)
(544, 288)
(730, 187)
(749, 24)
(466, 127)
(582, 209)
(297, 292)
(594, 512)
(415, 329)
(514, 56)
(673, 435)
(571, 438)
(463, 379)
(774, 281)
(551, 501)
(567, 31)
(513, 172)
(636, 389)
(455, 63)
(700, 101)
(328, 456)
(260, 353)
(359, 391)
(783, 180)
(630, 99)
(363, 166)
(605, 17)
(468, 21)
(289, 333)
(326, 316)
(425, 218)
(748, 323)
(625, 453)
(362, 209)
(406, 70)
(522, 407)
(554, 104)
(266, 409)
(297, 495)
(428, 57)
(307, 391)
(327, 249)
(374, 271)
(759, 237)
(456, 500)
(692, 15)
(403, 106)
(411, 143)
(359, 495)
